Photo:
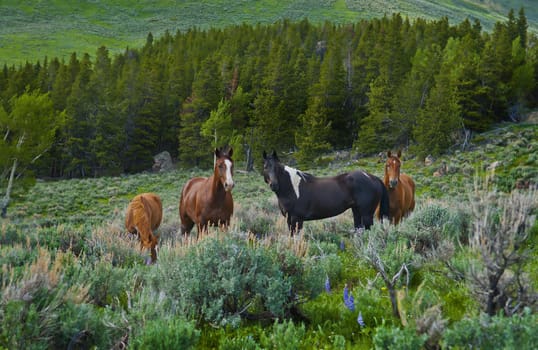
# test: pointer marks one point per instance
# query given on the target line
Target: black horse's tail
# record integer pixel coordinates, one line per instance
(384, 203)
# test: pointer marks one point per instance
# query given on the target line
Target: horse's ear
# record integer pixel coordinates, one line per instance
(275, 156)
(230, 152)
(217, 152)
(399, 153)
(264, 154)
(389, 153)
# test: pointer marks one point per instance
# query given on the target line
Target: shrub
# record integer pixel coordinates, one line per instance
(502, 224)
(397, 338)
(221, 280)
(388, 252)
(85, 326)
(497, 332)
(433, 223)
(285, 336)
(238, 343)
(108, 285)
(167, 334)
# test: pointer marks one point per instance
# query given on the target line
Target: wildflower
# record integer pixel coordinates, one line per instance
(360, 321)
(349, 301)
(327, 285)
(342, 245)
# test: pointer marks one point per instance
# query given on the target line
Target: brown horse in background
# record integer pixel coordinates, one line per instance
(401, 188)
(208, 201)
(144, 215)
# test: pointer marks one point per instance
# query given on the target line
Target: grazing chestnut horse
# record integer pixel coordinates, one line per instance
(401, 188)
(144, 215)
(303, 197)
(208, 201)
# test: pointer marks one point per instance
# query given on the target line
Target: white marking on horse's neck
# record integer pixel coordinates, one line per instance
(295, 176)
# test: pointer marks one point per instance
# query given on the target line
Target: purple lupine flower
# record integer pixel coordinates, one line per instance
(342, 245)
(360, 321)
(327, 285)
(350, 303)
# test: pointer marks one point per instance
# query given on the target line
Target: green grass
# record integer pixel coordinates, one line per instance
(31, 30)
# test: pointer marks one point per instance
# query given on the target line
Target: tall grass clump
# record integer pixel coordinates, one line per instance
(46, 309)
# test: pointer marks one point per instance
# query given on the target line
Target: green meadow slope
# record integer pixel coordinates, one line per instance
(31, 30)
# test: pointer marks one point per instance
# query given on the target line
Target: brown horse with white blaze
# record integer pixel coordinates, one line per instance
(144, 215)
(401, 188)
(208, 201)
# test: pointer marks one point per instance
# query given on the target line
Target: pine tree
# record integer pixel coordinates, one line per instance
(206, 94)
(109, 142)
(412, 94)
(80, 125)
(312, 137)
(522, 28)
(376, 129)
(438, 123)
(331, 91)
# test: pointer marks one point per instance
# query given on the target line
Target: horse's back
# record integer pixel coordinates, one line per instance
(362, 181)
(144, 208)
(154, 207)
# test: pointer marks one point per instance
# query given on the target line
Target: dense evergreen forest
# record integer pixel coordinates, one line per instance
(290, 86)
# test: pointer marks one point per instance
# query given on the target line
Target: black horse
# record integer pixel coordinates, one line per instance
(302, 196)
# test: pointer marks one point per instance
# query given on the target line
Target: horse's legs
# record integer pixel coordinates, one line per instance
(367, 221)
(154, 241)
(294, 224)
(153, 256)
(202, 228)
(357, 218)
(186, 225)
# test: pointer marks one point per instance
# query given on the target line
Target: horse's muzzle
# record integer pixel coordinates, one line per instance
(393, 183)
(228, 186)
(274, 186)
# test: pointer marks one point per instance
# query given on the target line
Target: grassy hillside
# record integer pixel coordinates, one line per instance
(513, 147)
(70, 274)
(31, 30)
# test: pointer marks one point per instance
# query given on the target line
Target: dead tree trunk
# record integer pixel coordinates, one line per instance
(7, 197)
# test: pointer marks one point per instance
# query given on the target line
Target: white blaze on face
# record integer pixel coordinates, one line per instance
(229, 179)
(295, 179)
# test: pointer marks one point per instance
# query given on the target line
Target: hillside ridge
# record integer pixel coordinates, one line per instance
(30, 31)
